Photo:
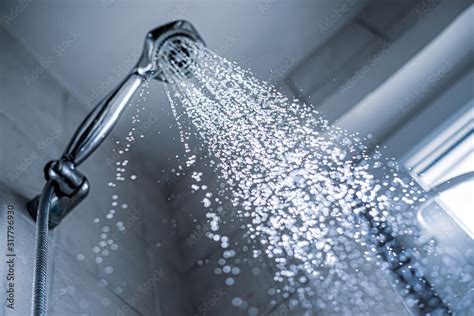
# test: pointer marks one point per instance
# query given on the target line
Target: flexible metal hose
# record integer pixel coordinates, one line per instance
(39, 303)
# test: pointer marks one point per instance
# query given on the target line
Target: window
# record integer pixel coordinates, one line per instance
(448, 154)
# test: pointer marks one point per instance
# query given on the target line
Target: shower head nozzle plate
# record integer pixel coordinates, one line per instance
(157, 44)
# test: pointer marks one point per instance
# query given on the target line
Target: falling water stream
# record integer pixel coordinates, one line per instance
(309, 196)
(336, 222)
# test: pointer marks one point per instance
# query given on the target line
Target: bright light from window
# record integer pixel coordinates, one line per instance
(447, 155)
(459, 200)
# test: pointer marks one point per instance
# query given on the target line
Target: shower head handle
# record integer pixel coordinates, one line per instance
(100, 121)
(90, 134)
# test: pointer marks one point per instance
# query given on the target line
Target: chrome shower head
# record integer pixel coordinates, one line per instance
(169, 53)
(170, 49)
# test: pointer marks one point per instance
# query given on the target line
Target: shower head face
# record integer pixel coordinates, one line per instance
(170, 52)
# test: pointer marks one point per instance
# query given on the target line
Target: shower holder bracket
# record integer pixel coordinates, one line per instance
(71, 188)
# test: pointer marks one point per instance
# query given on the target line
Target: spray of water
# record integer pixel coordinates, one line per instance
(311, 198)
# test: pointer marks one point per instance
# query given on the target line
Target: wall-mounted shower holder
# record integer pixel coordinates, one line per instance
(71, 188)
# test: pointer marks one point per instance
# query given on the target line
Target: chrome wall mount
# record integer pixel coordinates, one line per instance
(71, 188)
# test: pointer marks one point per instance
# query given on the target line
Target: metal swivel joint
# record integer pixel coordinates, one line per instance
(71, 188)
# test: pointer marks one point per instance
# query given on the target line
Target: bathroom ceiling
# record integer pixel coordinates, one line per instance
(90, 45)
